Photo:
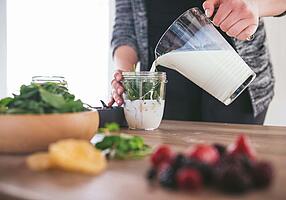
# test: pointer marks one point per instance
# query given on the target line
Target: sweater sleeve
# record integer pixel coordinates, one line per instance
(123, 28)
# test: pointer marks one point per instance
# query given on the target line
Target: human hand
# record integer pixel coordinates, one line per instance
(238, 18)
(117, 89)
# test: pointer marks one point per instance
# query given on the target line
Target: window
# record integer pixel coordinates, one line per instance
(60, 37)
(2, 48)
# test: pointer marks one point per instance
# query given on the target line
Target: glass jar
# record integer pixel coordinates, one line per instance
(144, 99)
(53, 79)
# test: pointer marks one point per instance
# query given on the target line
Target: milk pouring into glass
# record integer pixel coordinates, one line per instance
(193, 47)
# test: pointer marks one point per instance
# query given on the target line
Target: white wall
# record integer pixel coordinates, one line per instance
(111, 67)
(72, 42)
(276, 33)
(3, 72)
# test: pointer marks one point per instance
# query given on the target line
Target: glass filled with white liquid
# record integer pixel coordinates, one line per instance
(144, 99)
(193, 47)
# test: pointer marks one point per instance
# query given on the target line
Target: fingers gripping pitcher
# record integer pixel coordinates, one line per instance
(193, 47)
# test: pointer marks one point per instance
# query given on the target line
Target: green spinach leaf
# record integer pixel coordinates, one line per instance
(40, 99)
(124, 146)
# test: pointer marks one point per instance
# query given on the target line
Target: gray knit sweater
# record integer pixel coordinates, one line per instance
(130, 28)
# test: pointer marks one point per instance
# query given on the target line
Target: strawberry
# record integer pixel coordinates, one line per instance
(163, 154)
(243, 146)
(204, 153)
(189, 179)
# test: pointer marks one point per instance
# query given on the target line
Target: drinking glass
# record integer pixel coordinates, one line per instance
(144, 99)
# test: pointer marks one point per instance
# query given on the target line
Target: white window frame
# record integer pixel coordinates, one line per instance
(3, 49)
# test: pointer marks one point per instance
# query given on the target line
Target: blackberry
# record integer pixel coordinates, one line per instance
(166, 177)
(230, 160)
(191, 162)
(233, 179)
(179, 161)
(207, 172)
(151, 174)
(220, 148)
(247, 164)
(262, 174)
(239, 160)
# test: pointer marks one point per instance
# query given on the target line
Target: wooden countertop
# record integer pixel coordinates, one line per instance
(126, 179)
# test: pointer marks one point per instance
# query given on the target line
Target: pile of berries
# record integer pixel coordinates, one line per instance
(232, 169)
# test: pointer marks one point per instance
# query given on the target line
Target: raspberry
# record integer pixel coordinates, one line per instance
(205, 153)
(262, 174)
(181, 161)
(189, 179)
(161, 155)
(243, 146)
(205, 170)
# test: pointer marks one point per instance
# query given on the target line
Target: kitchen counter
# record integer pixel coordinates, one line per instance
(126, 179)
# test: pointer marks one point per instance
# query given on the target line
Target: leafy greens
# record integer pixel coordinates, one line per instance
(124, 146)
(109, 127)
(41, 98)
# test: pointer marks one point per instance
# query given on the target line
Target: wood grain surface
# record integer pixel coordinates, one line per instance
(126, 179)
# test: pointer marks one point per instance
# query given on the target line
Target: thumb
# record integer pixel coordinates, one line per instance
(209, 7)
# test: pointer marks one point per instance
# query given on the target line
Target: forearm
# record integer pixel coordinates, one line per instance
(125, 57)
(271, 7)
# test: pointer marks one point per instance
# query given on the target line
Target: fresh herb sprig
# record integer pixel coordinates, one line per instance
(109, 127)
(40, 99)
(124, 147)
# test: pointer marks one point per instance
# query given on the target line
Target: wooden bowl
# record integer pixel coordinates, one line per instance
(32, 132)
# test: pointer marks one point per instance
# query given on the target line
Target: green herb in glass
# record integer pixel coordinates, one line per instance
(150, 89)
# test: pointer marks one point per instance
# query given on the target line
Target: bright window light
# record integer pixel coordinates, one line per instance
(69, 38)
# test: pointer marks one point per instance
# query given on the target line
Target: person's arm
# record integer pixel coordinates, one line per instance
(240, 18)
(125, 57)
(124, 42)
(124, 47)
